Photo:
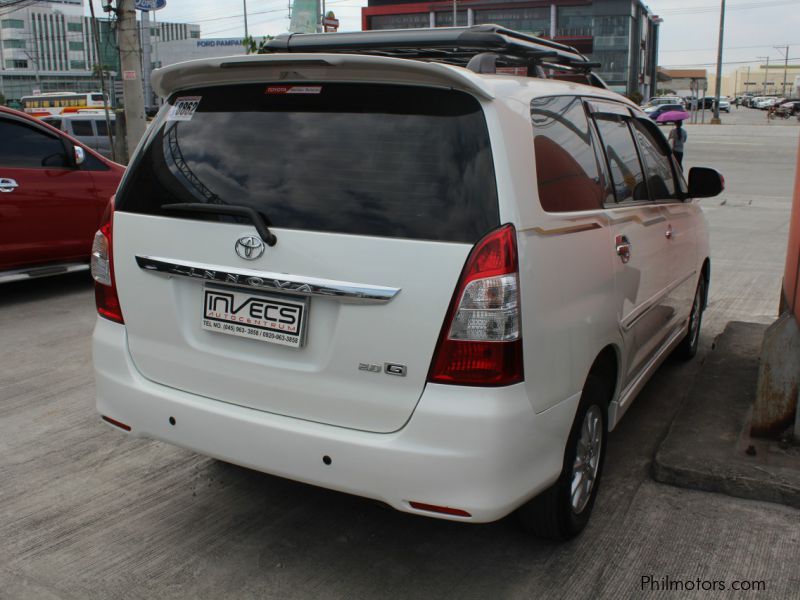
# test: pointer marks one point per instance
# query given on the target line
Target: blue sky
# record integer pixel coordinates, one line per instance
(689, 32)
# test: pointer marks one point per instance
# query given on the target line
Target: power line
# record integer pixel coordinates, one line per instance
(737, 62)
(726, 48)
(693, 10)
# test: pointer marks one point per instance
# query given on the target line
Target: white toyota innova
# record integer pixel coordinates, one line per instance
(377, 263)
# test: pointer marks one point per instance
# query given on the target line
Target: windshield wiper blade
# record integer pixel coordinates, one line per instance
(231, 210)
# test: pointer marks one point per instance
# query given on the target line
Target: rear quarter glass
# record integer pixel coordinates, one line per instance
(379, 160)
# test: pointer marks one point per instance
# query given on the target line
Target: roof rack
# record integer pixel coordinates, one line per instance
(480, 48)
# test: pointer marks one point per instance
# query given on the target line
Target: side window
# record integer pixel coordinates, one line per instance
(82, 128)
(26, 147)
(657, 166)
(566, 163)
(623, 160)
(102, 128)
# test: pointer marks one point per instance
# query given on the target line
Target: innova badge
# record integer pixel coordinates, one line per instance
(249, 247)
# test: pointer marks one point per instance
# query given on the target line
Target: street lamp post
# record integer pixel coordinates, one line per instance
(244, 2)
(785, 66)
(766, 74)
(716, 119)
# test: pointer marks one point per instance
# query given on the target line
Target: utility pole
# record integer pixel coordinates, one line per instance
(244, 2)
(747, 81)
(766, 75)
(785, 67)
(101, 68)
(132, 90)
(716, 120)
(455, 13)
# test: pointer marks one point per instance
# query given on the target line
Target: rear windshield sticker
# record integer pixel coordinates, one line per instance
(184, 108)
(294, 89)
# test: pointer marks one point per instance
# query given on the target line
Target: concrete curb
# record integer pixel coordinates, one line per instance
(706, 446)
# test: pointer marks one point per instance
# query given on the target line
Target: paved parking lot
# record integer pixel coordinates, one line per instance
(86, 512)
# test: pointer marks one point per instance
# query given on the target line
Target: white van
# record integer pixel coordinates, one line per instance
(89, 127)
(424, 283)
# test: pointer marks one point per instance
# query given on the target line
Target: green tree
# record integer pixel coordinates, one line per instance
(251, 46)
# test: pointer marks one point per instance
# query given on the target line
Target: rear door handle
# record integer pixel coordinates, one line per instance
(623, 248)
(7, 185)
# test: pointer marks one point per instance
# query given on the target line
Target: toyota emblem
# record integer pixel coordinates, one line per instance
(249, 247)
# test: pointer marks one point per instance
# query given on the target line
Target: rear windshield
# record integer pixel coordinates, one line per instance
(388, 161)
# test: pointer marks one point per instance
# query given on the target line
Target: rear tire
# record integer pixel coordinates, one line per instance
(562, 511)
(687, 349)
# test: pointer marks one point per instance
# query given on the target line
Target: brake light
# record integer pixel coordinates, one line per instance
(481, 340)
(105, 288)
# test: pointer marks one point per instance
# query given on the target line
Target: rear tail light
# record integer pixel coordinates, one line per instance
(105, 288)
(481, 341)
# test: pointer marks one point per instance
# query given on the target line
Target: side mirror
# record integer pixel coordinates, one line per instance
(80, 155)
(705, 183)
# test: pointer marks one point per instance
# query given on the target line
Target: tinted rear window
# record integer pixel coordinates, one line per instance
(389, 161)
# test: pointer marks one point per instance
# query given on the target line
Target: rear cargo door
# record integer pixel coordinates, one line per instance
(375, 194)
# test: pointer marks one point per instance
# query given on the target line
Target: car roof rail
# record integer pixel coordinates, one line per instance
(480, 48)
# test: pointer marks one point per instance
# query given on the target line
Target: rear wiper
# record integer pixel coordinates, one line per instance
(228, 209)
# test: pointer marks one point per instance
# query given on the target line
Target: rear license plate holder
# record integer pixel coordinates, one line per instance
(241, 312)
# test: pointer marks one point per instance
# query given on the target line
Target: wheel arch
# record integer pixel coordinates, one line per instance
(606, 368)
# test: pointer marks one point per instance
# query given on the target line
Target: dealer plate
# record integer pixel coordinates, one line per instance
(243, 313)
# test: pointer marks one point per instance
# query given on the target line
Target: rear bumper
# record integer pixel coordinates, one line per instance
(483, 451)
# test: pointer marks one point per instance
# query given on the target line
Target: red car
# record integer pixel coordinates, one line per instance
(53, 191)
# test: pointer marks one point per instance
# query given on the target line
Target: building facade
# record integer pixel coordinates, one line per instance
(49, 46)
(622, 35)
(683, 82)
(762, 80)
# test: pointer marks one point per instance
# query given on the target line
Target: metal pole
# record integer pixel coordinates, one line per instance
(245, 18)
(715, 120)
(747, 87)
(147, 61)
(455, 12)
(101, 70)
(785, 67)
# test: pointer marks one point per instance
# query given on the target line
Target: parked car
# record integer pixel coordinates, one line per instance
(790, 107)
(53, 191)
(441, 289)
(660, 100)
(763, 103)
(88, 127)
(656, 111)
(724, 104)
